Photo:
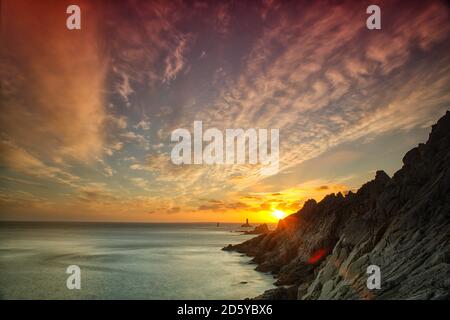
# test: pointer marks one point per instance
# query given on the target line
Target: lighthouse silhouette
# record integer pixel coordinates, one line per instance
(246, 224)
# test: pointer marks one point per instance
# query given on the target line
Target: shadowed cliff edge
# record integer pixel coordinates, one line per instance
(401, 224)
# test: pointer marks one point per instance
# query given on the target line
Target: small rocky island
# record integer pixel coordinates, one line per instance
(262, 228)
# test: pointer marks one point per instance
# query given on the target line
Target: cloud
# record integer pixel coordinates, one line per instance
(165, 210)
(323, 80)
(117, 146)
(136, 166)
(18, 159)
(157, 41)
(124, 88)
(424, 29)
(56, 96)
(222, 19)
(131, 136)
(96, 193)
(162, 167)
(140, 182)
(312, 70)
(143, 124)
(291, 199)
(175, 60)
(119, 122)
(13, 200)
(217, 206)
(108, 171)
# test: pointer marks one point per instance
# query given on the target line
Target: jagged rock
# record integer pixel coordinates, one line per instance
(228, 248)
(401, 224)
(281, 293)
(263, 228)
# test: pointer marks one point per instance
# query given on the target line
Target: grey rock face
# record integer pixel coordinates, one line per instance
(401, 224)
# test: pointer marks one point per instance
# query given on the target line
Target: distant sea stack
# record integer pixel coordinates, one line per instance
(401, 224)
(246, 224)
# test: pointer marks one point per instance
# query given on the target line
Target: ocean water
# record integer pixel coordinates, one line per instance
(125, 261)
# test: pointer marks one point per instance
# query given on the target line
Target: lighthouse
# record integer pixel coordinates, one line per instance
(246, 224)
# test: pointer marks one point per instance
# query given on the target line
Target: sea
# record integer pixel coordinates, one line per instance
(126, 261)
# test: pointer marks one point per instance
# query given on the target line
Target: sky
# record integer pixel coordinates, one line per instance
(86, 115)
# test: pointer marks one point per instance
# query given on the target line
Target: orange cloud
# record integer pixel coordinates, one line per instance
(54, 78)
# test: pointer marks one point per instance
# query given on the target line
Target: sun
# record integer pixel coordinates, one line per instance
(278, 214)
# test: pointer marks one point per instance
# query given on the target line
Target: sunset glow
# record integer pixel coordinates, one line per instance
(278, 214)
(87, 115)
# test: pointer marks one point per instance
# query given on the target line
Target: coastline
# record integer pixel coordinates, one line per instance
(399, 223)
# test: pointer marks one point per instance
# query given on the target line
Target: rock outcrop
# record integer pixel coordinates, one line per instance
(262, 228)
(401, 224)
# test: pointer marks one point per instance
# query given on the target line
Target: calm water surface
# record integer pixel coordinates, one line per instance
(125, 261)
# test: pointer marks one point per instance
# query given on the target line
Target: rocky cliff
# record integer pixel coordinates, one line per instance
(401, 224)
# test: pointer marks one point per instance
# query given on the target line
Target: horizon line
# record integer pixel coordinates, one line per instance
(137, 222)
